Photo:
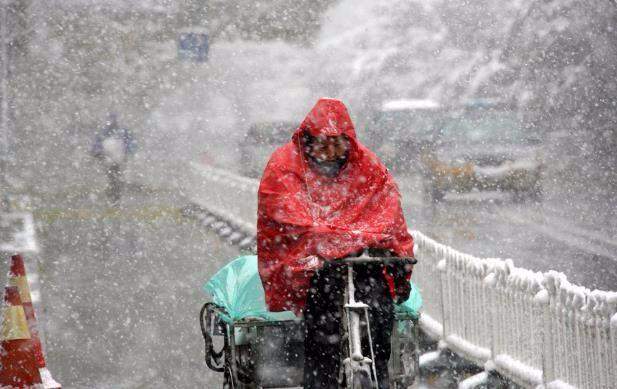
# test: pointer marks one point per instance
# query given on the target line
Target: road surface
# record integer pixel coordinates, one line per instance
(550, 235)
(122, 293)
(121, 286)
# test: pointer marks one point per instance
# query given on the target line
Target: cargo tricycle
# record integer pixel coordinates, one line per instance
(254, 348)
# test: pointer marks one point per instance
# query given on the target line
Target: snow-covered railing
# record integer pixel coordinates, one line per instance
(516, 297)
(534, 328)
(224, 192)
(581, 332)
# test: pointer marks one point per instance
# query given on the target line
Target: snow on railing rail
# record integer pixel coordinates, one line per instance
(581, 330)
(225, 191)
(534, 328)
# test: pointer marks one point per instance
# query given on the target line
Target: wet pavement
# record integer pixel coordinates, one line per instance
(122, 290)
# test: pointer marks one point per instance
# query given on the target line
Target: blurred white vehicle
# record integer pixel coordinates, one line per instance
(260, 140)
(401, 129)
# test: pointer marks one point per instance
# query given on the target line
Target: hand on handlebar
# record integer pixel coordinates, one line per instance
(402, 269)
(401, 272)
(402, 290)
(402, 287)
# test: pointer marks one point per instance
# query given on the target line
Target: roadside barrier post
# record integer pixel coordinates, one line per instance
(18, 278)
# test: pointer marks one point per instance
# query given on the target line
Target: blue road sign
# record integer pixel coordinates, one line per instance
(193, 46)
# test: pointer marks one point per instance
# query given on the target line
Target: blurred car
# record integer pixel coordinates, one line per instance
(484, 147)
(401, 130)
(260, 140)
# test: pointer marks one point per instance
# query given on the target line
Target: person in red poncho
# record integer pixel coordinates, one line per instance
(325, 196)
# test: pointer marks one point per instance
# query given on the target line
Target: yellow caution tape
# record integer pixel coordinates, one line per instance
(14, 324)
(21, 282)
(145, 214)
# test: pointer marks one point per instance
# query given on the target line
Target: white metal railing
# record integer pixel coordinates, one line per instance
(534, 328)
(224, 193)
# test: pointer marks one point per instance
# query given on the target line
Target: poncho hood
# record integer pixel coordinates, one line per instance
(328, 117)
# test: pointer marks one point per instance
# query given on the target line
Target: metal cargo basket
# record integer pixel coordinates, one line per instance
(278, 354)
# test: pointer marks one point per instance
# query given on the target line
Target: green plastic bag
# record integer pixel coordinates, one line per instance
(411, 307)
(237, 288)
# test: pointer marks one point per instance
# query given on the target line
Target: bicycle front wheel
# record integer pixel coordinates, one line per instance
(361, 380)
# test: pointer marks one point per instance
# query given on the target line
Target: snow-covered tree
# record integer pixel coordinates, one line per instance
(555, 58)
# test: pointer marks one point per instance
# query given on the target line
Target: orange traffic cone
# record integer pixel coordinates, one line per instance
(18, 278)
(19, 369)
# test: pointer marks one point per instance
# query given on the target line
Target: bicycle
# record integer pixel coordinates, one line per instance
(359, 370)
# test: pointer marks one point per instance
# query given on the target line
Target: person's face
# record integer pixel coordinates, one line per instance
(328, 148)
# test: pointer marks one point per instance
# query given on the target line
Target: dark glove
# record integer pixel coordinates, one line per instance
(402, 288)
(400, 272)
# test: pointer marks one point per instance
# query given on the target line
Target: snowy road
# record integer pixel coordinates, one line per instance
(122, 286)
(541, 237)
(122, 291)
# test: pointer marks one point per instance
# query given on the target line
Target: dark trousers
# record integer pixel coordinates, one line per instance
(323, 317)
(114, 182)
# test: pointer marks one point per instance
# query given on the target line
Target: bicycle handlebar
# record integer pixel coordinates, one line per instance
(384, 260)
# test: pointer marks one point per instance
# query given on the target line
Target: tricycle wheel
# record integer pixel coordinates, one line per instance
(229, 382)
(228, 379)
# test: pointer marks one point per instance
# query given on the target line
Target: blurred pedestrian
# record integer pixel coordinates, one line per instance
(113, 145)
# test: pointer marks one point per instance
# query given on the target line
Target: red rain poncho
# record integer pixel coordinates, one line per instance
(302, 212)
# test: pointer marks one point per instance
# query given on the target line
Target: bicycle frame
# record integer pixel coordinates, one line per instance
(354, 311)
